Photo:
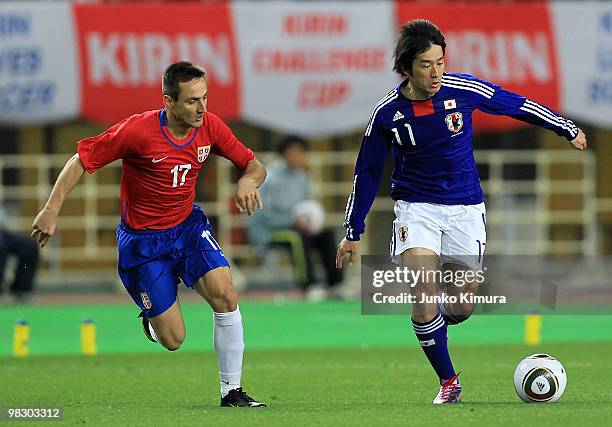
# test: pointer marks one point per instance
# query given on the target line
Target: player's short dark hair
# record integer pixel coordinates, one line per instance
(416, 36)
(180, 72)
(291, 140)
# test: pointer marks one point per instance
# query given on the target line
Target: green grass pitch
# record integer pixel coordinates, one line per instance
(314, 364)
(385, 386)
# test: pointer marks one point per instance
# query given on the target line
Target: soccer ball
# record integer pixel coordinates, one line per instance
(540, 378)
(311, 215)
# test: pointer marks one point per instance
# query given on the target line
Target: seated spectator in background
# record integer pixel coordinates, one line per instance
(291, 218)
(25, 251)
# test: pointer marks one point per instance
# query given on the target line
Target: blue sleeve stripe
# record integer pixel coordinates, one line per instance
(466, 82)
(387, 99)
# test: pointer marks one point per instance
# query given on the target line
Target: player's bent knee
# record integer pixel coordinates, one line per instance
(453, 315)
(455, 319)
(226, 300)
(172, 342)
(171, 345)
(231, 297)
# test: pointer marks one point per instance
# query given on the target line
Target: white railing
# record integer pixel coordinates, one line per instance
(511, 204)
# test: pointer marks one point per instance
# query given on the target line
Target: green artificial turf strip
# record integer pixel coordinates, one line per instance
(268, 325)
(375, 386)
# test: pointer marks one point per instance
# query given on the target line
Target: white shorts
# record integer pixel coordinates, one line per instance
(456, 233)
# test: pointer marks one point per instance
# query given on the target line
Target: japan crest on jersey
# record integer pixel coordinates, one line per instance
(454, 121)
(203, 153)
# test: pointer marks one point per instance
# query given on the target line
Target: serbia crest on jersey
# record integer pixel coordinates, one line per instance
(203, 153)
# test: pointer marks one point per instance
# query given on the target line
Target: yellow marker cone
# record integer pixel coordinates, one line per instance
(88, 337)
(533, 329)
(21, 339)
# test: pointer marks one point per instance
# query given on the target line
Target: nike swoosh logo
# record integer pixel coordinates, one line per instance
(159, 160)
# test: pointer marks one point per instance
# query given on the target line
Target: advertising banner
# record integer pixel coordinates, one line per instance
(39, 82)
(509, 44)
(317, 68)
(584, 38)
(124, 49)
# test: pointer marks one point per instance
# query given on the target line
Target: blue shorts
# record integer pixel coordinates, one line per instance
(152, 262)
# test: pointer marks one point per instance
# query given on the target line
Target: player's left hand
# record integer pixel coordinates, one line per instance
(247, 196)
(580, 142)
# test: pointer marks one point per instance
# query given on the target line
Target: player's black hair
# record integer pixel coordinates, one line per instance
(180, 72)
(416, 36)
(291, 140)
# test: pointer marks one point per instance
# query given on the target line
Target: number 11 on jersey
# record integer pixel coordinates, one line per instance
(397, 135)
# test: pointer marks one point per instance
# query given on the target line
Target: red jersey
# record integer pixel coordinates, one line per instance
(159, 172)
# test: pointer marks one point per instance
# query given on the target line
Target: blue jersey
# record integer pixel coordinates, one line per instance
(431, 142)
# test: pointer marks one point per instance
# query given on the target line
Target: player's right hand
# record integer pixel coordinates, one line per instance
(44, 227)
(347, 247)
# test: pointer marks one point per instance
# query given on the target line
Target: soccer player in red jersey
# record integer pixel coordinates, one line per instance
(163, 237)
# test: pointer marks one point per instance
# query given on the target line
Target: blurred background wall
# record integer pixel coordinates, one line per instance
(68, 70)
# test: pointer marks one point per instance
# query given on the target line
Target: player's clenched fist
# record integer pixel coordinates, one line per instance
(580, 142)
(347, 247)
(247, 195)
(44, 227)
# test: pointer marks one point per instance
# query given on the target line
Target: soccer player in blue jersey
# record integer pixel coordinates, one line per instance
(426, 122)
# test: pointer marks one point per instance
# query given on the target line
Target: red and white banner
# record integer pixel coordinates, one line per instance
(509, 44)
(314, 68)
(124, 49)
(39, 82)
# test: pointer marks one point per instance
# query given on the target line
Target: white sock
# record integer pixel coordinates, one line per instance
(229, 346)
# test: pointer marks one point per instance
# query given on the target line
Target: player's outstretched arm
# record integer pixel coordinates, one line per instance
(493, 99)
(347, 247)
(580, 142)
(247, 193)
(46, 221)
